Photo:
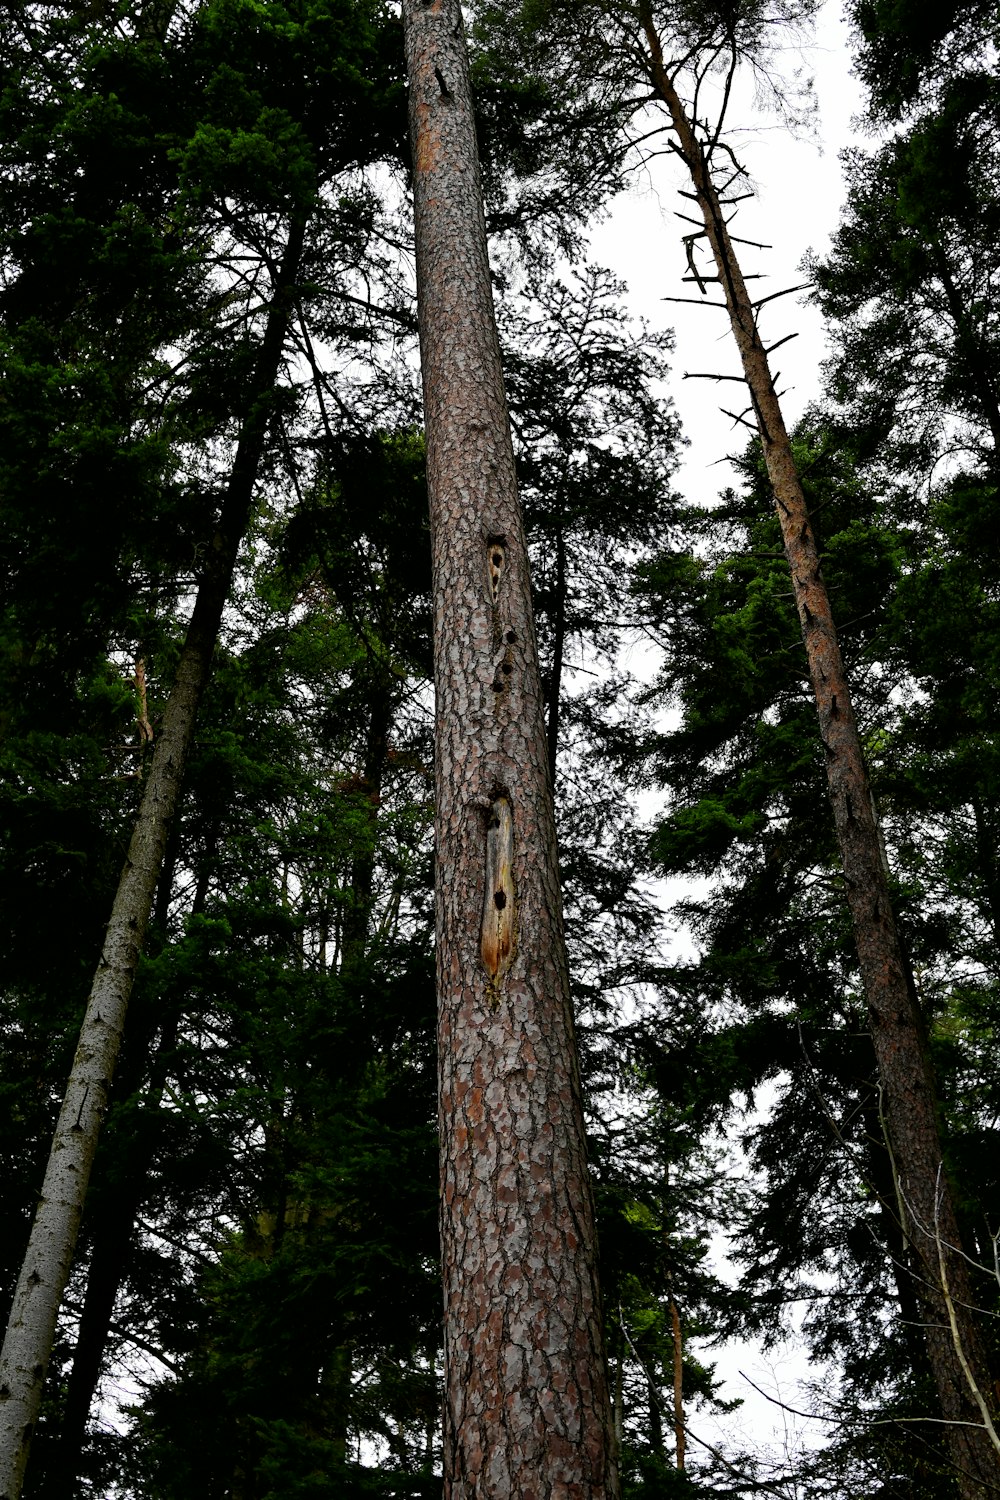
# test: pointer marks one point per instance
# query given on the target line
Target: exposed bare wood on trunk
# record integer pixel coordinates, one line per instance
(527, 1407)
(28, 1342)
(143, 727)
(925, 1198)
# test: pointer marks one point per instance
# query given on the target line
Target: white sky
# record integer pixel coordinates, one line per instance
(800, 192)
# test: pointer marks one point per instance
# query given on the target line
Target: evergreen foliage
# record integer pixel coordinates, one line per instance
(258, 1260)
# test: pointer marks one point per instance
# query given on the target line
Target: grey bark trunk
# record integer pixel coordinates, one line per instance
(112, 1233)
(44, 1273)
(527, 1411)
(925, 1200)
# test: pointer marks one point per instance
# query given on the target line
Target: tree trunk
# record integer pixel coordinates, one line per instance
(358, 914)
(655, 1419)
(618, 1409)
(989, 874)
(558, 649)
(925, 1200)
(526, 1410)
(680, 1437)
(114, 1228)
(28, 1343)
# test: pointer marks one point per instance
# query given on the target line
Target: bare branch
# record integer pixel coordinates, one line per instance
(786, 293)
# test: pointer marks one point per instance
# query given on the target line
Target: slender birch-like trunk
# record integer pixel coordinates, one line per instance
(114, 1229)
(527, 1411)
(28, 1342)
(925, 1202)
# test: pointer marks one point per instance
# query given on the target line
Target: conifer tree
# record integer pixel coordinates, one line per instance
(775, 963)
(925, 1200)
(53, 1239)
(678, 50)
(229, 157)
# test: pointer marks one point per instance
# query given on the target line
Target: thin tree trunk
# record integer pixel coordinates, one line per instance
(680, 1441)
(655, 1419)
(969, 342)
(104, 1278)
(618, 1410)
(989, 875)
(925, 1200)
(28, 1343)
(358, 915)
(337, 1407)
(433, 1423)
(527, 1411)
(558, 649)
(112, 1233)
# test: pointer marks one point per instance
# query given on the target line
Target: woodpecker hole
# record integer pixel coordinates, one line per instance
(498, 939)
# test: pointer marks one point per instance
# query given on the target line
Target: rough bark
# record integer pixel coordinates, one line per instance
(28, 1342)
(527, 1410)
(925, 1199)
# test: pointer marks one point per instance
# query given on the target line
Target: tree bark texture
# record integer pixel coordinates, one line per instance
(44, 1273)
(113, 1229)
(925, 1202)
(527, 1412)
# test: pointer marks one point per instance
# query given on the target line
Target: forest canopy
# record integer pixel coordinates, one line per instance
(224, 609)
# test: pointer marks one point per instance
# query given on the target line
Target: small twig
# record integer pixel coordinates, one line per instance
(750, 426)
(695, 302)
(707, 375)
(809, 1415)
(977, 1394)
